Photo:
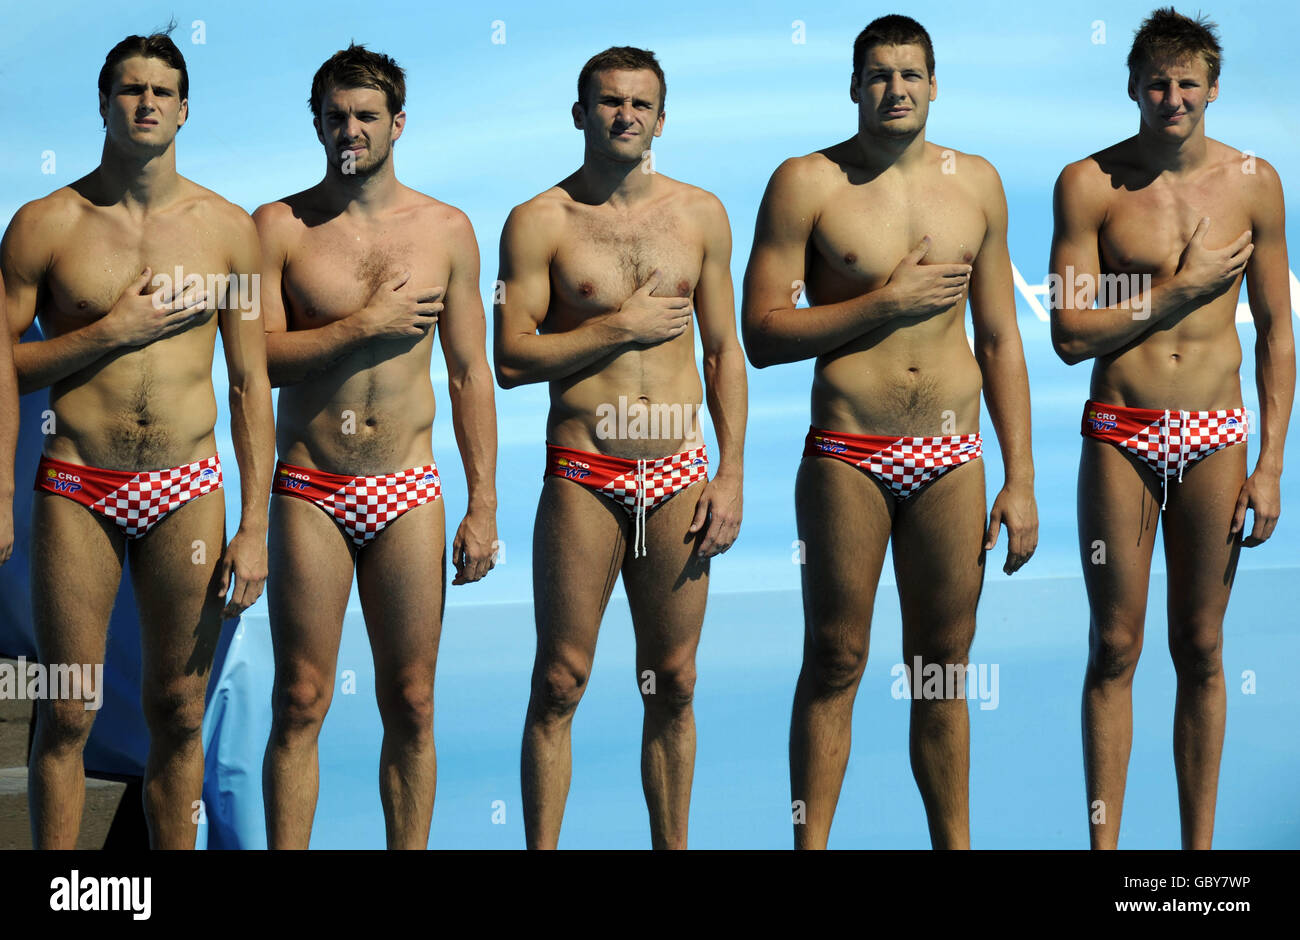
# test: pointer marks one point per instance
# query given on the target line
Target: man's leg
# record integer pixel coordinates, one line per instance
(401, 577)
(1119, 508)
(76, 566)
(174, 572)
(666, 591)
(579, 540)
(939, 565)
(1201, 555)
(307, 592)
(844, 521)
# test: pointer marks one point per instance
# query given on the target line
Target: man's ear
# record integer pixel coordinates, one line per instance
(320, 134)
(853, 89)
(1214, 92)
(184, 113)
(1132, 89)
(934, 88)
(399, 122)
(579, 115)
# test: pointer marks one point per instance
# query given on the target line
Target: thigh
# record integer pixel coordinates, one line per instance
(939, 562)
(1200, 549)
(76, 565)
(401, 577)
(579, 542)
(174, 572)
(310, 580)
(844, 519)
(667, 588)
(1118, 514)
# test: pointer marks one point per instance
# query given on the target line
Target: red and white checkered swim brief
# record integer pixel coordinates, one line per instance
(136, 501)
(1165, 440)
(636, 485)
(903, 464)
(361, 505)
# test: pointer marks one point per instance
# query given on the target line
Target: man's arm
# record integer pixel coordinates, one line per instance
(473, 413)
(775, 331)
(1267, 287)
(252, 428)
(1006, 381)
(1080, 331)
(8, 440)
(724, 384)
(523, 355)
(395, 309)
(138, 317)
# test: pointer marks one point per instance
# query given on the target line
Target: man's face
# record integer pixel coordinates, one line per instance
(357, 130)
(894, 91)
(143, 109)
(1172, 95)
(622, 115)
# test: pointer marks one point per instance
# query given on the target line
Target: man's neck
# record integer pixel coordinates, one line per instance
(879, 153)
(358, 194)
(614, 182)
(1166, 156)
(140, 182)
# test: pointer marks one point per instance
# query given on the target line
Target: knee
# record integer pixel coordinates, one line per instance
(300, 703)
(1113, 651)
(64, 725)
(833, 667)
(1197, 651)
(670, 689)
(557, 689)
(406, 705)
(174, 712)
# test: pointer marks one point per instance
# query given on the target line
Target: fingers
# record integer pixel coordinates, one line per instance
(701, 512)
(1239, 515)
(916, 254)
(142, 282)
(1198, 235)
(995, 523)
(397, 281)
(1242, 241)
(652, 282)
(1265, 522)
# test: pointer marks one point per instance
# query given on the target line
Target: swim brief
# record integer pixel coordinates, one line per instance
(636, 485)
(363, 506)
(903, 464)
(136, 501)
(1166, 440)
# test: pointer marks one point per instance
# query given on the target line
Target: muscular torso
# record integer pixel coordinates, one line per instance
(1189, 360)
(148, 407)
(371, 412)
(602, 257)
(912, 376)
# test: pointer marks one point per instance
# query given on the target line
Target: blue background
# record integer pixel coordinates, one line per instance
(1027, 86)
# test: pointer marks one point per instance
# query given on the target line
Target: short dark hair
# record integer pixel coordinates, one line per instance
(621, 57)
(1167, 34)
(358, 67)
(892, 30)
(154, 46)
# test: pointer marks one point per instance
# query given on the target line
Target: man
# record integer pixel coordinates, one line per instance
(600, 274)
(1182, 217)
(8, 441)
(889, 233)
(130, 469)
(358, 272)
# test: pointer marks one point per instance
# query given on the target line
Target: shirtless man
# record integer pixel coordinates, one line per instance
(600, 275)
(359, 274)
(890, 233)
(131, 470)
(8, 441)
(1183, 217)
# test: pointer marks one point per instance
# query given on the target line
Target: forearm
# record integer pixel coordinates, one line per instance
(1086, 333)
(45, 362)
(1006, 392)
(294, 355)
(252, 431)
(790, 334)
(726, 390)
(473, 417)
(8, 425)
(1275, 380)
(546, 357)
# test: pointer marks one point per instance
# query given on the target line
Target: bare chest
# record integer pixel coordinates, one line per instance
(864, 232)
(602, 262)
(1147, 230)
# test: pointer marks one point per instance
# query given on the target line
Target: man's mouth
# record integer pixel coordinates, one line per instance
(146, 122)
(898, 111)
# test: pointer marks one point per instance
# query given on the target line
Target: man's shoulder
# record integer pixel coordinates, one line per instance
(1256, 176)
(229, 217)
(545, 212)
(52, 212)
(435, 211)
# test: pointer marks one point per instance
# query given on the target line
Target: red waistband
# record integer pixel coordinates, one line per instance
(609, 464)
(287, 471)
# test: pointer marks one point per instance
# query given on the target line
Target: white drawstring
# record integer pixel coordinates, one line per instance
(638, 534)
(1164, 459)
(1182, 451)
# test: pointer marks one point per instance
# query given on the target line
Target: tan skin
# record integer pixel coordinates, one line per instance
(601, 273)
(131, 389)
(1178, 206)
(889, 246)
(8, 442)
(359, 274)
